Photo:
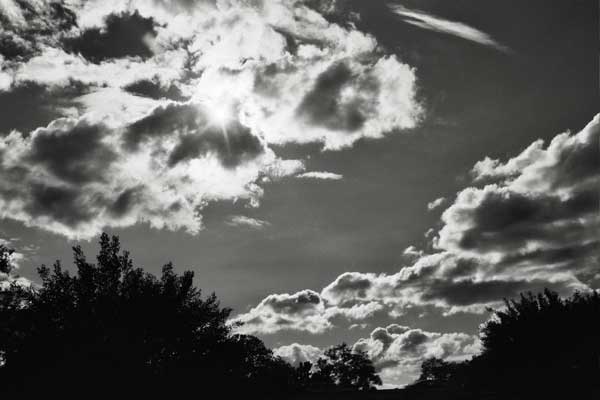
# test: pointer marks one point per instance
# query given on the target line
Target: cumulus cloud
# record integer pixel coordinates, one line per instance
(78, 175)
(526, 224)
(183, 102)
(437, 24)
(303, 311)
(320, 175)
(296, 353)
(538, 211)
(398, 351)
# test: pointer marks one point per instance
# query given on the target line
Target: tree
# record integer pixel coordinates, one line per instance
(345, 369)
(553, 339)
(112, 325)
(536, 344)
(436, 370)
(6, 266)
(114, 328)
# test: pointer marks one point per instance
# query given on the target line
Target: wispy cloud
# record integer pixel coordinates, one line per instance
(436, 203)
(242, 220)
(320, 175)
(431, 22)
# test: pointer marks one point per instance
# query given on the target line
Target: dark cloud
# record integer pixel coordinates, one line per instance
(233, 145)
(324, 106)
(294, 304)
(467, 292)
(47, 175)
(58, 203)
(43, 105)
(125, 35)
(164, 121)
(154, 90)
(412, 340)
(503, 220)
(76, 154)
(571, 257)
(125, 201)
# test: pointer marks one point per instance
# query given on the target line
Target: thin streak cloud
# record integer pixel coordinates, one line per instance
(321, 175)
(437, 24)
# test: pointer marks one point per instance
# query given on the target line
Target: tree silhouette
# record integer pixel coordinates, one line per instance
(538, 344)
(344, 369)
(113, 327)
(437, 370)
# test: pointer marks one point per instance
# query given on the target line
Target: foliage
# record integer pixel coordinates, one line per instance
(112, 325)
(344, 369)
(536, 343)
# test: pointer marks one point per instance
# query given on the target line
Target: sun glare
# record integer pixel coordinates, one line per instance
(220, 115)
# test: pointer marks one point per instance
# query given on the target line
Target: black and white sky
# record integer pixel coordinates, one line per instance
(369, 171)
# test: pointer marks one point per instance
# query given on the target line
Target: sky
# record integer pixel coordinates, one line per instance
(374, 172)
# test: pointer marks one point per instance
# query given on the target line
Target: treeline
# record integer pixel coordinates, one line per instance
(113, 329)
(538, 346)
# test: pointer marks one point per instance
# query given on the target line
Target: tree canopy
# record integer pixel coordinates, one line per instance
(539, 343)
(113, 326)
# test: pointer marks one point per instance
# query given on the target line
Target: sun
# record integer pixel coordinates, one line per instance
(220, 115)
(219, 112)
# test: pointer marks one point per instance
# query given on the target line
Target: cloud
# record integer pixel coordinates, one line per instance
(436, 203)
(153, 89)
(304, 311)
(124, 35)
(241, 220)
(28, 26)
(77, 175)
(323, 175)
(535, 209)
(301, 311)
(185, 103)
(398, 351)
(281, 63)
(526, 224)
(296, 353)
(437, 24)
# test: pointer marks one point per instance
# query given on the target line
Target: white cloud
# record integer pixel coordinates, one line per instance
(263, 58)
(260, 67)
(296, 353)
(436, 203)
(320, 175)
(459, 29)
(242, 220)
(301, 311)
(398, 351)
(12, 11)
